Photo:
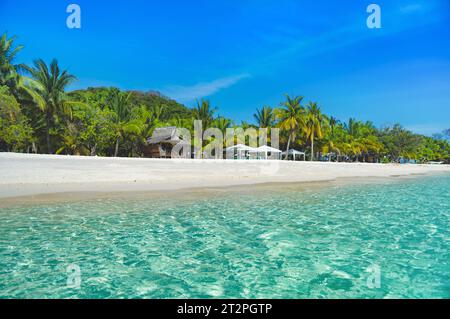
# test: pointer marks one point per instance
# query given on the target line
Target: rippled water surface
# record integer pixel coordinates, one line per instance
(285, 242)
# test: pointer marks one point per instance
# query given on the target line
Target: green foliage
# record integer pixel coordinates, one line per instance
(47, 88)
(204, 112)
(291, 117)
(169, 108)
(433, 150)
(400, 142)
(37, 114)
(222, 124)
(8, 70)
(133, 116)
(89, 132)
(312, 124)
(15, 131)
(264, 117)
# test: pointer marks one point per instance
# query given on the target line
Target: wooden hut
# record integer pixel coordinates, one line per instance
(161, 143)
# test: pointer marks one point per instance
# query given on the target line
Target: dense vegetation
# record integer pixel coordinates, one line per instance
(37, 114)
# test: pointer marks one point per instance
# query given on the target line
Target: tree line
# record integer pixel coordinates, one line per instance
(39, 115)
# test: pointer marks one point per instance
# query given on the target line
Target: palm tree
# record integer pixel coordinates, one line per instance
(47, 88)
(363, 138)
(352, 127)
(332, 122)
(331, 145)
(9, 70)
(313, 124)
(148, 120)
(8, 105)
(157, 111)
(124, 122)
(291, 117)
(72, 142)
(222, 124)
(204, 113)
(181, 123)
(264, 117)
(370, 145)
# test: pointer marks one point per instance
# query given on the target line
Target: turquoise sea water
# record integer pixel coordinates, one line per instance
(274, 242)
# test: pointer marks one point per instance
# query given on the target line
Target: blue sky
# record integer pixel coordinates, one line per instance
(246, 54)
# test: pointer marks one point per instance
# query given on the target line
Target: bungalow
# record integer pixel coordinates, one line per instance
(161, 143)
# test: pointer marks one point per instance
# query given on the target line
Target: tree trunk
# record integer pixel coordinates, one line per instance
(287, 149)
(116, 151)
(94, 150)
(312, 148)
(47, 131)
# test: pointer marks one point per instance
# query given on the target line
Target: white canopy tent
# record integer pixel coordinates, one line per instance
(240, 149)
(243, 152)
(295, 153)
(266, 150)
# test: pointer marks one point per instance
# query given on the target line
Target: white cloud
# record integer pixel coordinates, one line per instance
(202, 89)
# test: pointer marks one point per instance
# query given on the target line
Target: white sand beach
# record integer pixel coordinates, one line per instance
(30, 174)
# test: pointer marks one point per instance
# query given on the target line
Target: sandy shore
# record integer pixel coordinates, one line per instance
(29, 174)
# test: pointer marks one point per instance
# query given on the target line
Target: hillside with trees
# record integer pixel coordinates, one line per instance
(39, 115)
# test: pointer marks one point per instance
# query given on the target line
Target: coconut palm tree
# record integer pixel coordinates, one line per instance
(332, 122)
(72, 142)
(264, 117)
(370, 145)
(222, 124)
(313, 124)
(291, 117)
(352, 127)
(331, 144)
(47, 88)
(204, 112)
(157, 111)
(146, 121)
(124, 122)
(181, 123)
(362, 138)
(8, 70)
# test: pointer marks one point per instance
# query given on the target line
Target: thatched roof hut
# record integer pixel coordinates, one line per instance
(160, 144)
(167, 135)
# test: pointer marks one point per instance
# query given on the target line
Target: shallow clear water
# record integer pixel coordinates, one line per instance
(284, 242)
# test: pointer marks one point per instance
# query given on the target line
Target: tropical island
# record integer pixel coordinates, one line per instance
(38, 115)
(264, 161)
